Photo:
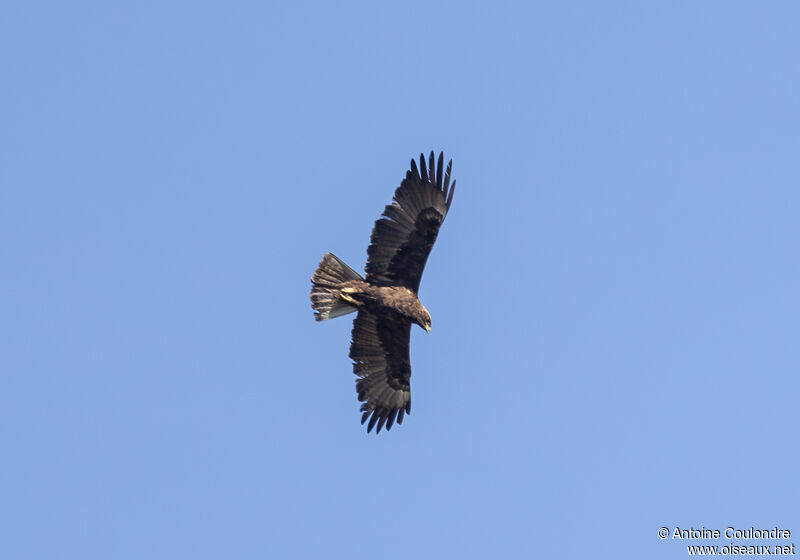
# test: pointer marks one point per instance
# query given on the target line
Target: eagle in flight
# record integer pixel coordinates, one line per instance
(386, 299)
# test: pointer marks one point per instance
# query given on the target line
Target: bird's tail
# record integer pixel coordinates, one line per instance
(325, 300)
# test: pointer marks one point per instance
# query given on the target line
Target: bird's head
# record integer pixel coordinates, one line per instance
(424, 319)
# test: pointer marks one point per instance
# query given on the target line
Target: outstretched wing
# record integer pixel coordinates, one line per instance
(379, 350)
(402, 239)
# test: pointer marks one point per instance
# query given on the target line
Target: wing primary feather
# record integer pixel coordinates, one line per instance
(450, 195)
(372, 420)
(439, 167)
(382, 421)
(423, 169)
(431, 169)
(447, 176)
(414, 171)
(391, 418)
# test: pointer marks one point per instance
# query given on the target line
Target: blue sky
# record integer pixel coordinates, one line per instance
(615, 343)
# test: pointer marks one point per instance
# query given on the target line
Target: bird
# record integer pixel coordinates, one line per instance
(386, 298)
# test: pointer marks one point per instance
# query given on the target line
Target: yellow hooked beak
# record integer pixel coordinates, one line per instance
(427, 327)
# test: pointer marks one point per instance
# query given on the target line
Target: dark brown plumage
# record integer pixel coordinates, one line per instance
(386, 299)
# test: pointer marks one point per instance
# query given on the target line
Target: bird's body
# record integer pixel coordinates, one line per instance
(386, 300)
(393, 300)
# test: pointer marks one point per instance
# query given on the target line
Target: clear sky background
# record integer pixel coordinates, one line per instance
(615, 343)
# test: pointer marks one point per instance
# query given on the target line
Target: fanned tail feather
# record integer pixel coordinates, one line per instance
(325, 300)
